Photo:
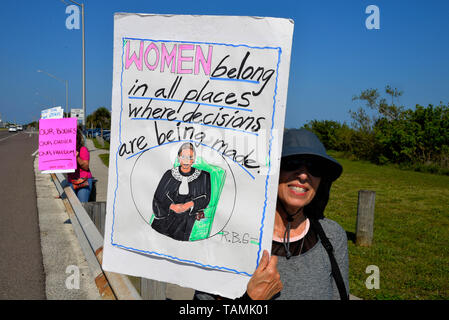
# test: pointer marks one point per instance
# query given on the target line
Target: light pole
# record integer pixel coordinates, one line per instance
(66, 89)
(81, 5)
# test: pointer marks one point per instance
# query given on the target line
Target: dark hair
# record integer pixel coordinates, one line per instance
(79, 139)
(185, 146)
(315, 209)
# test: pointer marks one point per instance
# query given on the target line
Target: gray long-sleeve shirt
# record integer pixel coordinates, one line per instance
(309, 276)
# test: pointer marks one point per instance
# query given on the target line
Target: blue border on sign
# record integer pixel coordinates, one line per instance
(279, 50)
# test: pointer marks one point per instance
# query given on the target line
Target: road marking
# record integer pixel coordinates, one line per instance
(9, 136)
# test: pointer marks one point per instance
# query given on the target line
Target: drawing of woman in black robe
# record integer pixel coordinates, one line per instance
(181, 196)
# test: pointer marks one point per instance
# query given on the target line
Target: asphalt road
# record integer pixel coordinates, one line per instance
(21, 267)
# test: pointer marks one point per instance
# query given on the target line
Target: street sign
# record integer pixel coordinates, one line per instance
(77, 113)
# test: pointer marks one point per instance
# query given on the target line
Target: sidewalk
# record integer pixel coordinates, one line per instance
(100, 172)
(62, 255)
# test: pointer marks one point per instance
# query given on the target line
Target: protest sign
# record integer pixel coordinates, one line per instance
(198, 107)
(52, 113)
(57, 145)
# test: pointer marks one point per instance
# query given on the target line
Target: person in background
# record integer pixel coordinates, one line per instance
(309, 255)
(81, 179)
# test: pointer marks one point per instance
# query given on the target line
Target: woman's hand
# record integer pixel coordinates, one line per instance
(188, 205)
(181, 207)
(84, 164)
(176, 207)
(266, 281)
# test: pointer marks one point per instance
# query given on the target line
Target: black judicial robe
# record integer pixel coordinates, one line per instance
(179, 225)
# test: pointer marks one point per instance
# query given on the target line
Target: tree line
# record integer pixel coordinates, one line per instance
(383, 132)
(100, 118)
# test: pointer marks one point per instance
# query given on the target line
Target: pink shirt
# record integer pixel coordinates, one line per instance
(79, 172)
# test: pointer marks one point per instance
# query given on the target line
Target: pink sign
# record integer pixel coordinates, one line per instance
(57, 144)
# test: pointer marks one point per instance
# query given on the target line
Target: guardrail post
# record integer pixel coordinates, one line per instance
(97, 212)
(365, 218)
(152, 289)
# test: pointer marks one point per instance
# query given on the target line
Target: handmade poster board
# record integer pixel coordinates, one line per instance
(52, 113)
(198, 107)
(57, 145)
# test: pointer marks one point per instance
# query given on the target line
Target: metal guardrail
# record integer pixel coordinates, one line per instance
(110, 285)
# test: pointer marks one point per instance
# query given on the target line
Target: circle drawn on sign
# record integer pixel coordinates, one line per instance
(143, 189)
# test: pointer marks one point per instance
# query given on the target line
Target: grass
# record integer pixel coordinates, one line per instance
(98, 145)
(411, 230)
(104, 158)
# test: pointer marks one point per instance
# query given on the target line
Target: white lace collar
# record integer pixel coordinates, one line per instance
(184, 186)
(178, 176)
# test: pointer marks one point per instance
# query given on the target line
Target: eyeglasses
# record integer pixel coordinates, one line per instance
(314, 166)
(187, 158)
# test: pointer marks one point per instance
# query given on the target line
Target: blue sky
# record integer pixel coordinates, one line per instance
(334, 56)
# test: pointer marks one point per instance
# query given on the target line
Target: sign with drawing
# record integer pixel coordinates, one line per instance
(198, 111)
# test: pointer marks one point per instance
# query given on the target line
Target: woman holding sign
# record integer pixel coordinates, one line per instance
(309, 255)
(81, 179)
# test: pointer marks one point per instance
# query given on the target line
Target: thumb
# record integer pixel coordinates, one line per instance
(273, 262)
(263, 261)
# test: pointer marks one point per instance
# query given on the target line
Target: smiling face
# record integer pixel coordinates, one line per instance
(186, 159)
(297, 188)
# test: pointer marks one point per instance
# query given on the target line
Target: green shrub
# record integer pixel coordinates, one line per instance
(383, 133)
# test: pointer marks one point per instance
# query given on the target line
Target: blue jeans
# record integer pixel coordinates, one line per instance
(83, 194)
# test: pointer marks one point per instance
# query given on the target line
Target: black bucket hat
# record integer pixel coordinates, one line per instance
(299, 142)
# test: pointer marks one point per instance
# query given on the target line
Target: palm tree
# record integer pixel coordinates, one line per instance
(90, 121)
(99, 118)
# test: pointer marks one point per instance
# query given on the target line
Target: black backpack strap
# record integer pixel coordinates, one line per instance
(329, 249)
